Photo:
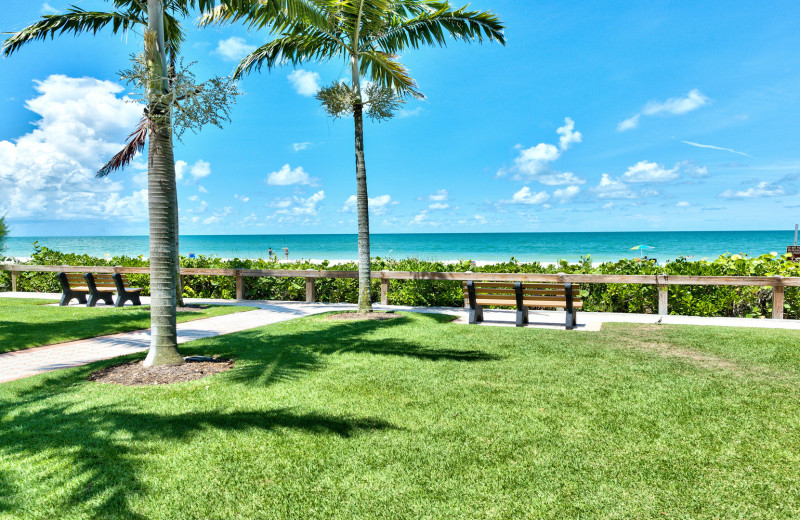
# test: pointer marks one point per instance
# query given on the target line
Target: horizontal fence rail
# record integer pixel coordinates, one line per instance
(662, 281)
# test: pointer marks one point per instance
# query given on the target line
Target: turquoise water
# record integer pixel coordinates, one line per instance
(544, 247)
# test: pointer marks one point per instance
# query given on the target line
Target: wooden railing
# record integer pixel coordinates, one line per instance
(662, 281)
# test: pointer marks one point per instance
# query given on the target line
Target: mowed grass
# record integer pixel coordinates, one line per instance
(28, 323)
(419, 418)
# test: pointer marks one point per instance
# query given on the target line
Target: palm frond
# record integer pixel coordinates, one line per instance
(433, 27)
(135, 144)
(75, 21)
(300, 46)
(383, 69)
(275, 15)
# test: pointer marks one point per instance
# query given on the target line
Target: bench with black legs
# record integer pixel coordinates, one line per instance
(73, 285)
(104, 284)
(523, 296)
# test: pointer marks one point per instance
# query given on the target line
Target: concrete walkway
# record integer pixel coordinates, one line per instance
(25, 363)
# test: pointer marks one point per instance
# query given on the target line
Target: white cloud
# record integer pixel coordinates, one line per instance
(421, 218)
(202, 189)
(644, 171)
(439, 205)
(409, 113)
(49, 172)
(564, 194)
(762, 189)
(712, 147)
(534, 163)
(212, 220)
(304, 82)
(303, 206)
(480, 219)
(234, 48)
(193, 198)
(200, 169)
(180, 170)
(241, 198)
(608, 188)
(525, 196)
(672, 106)
(377, 205)
(48, 9)
(286, 176)
(683, 204)
(568, 135)
(439, 196)
(297, 147)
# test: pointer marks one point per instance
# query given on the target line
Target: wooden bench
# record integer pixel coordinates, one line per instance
(98, 287)
(103, 284)
(523, 296)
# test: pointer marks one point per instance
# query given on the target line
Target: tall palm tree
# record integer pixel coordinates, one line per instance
(162, 28)
(367, 33)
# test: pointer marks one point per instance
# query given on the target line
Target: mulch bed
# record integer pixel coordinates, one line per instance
(191, 308)
(134, 374)
(362, 316)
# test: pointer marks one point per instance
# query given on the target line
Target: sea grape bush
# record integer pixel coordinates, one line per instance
(687, 300)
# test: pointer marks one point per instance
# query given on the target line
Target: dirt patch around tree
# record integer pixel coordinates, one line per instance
(191, 308)
(134, 374)
(362, 316)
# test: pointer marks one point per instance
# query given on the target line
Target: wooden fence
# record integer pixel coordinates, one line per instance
(662, 281)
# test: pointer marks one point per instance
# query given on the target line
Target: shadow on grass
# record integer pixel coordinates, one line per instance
(101, 446)
(267, 358)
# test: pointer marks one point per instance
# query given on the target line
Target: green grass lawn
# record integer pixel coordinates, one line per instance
(420, 418)
(28, 323)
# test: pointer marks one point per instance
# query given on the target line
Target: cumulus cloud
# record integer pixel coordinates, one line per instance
(645, 171)
(377, 205)
(439, 205)
(565, 194)
(683, 204)
(301, 206)
(241, 198)
(49, 171)
(534, 163)
(672, 106)
(234, 48)
(526, 196)
(306, 83)
(298, 147)
(439, 196)
(762, 189)
(287, 176)
(199, 170)
(609, 188)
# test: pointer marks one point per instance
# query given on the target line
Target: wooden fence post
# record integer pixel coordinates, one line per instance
(14, 275)
(777, 300)
(384, 291)
(239, 285)
(466, 298)
(663, 295)
(311, 295)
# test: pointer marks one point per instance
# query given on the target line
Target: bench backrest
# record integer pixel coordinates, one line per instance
(104, 281)
(101, 280)
(75, 279)
(504, 293)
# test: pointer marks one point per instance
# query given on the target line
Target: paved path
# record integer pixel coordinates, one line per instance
(24, 363)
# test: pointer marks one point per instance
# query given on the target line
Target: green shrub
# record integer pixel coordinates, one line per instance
(687, 300)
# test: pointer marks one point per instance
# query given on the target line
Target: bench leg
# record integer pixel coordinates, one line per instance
(572, 319)
(92, 300)
(522, 317)
(476, 315)
(135, 299)
(65, 298)
(120, 301)
(108, 299)
(81, 298)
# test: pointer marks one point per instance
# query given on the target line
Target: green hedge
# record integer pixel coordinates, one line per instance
(686, 300)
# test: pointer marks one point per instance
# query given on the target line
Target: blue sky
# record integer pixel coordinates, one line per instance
(596, 116)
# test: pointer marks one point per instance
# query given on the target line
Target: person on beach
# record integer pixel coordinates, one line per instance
(286, 252)
(270, 253)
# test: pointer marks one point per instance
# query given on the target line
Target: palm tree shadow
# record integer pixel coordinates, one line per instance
(268, 359)
(104, 448)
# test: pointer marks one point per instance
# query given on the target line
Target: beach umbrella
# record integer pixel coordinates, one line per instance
(641, 248)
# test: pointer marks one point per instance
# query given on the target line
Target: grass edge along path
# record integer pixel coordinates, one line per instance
(27, 323)
(416, 417)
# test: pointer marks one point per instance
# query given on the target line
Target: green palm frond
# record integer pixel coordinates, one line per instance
(383, 69)
(75, 21)
(432, 28)
(293, 48)
(261, 14)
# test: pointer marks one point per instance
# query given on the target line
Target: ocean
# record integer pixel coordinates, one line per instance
(487, 247)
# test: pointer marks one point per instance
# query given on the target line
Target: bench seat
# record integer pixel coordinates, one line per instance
(522, 296)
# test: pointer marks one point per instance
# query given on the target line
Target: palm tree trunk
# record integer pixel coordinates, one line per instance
(362, 204)
(161, 205)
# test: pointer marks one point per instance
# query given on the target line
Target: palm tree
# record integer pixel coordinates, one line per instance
(161, 29)
(368, 33)
(3, 231)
